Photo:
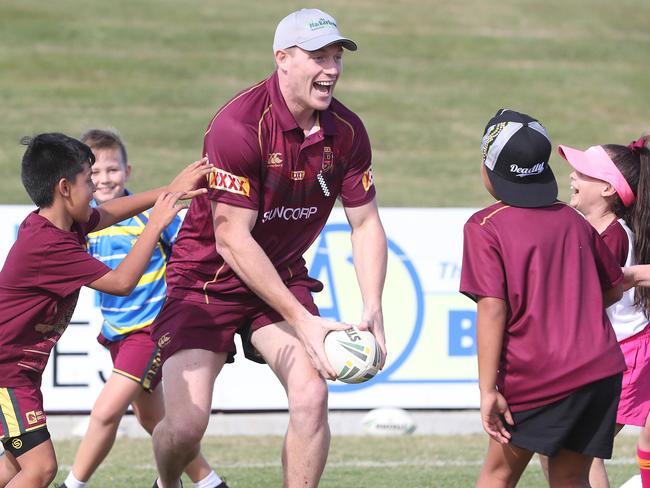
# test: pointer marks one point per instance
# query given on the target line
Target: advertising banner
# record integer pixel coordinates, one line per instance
(430, 327)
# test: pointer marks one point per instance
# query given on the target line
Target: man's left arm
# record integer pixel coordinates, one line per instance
(370, 256)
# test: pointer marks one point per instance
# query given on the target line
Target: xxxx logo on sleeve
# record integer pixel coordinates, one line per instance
(222, 180)
(367, 179)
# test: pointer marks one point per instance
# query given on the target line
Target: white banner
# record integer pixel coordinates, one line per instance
(430, 327)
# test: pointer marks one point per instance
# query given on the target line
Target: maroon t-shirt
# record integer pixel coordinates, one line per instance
(549, 265)
(39, 286)
(264, 162)
(617, 241)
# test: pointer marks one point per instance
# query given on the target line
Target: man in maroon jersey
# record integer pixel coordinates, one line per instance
(283, 151)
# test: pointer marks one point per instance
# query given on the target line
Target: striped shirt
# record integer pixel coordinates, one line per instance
(123, 315)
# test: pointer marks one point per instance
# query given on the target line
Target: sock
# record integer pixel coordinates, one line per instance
(72, 482)
(212, 481)
(643, 458)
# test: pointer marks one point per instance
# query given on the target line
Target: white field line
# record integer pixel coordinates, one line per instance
(364, 464)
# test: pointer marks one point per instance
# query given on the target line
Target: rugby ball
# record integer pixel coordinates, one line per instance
(354, 354)
(388, 421)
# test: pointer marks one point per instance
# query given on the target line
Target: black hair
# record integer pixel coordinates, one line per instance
(634, 165)
(105, 139)
(48, 158)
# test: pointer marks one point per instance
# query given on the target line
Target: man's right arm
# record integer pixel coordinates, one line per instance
(234, 242)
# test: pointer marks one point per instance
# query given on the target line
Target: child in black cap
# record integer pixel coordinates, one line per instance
(549, 364)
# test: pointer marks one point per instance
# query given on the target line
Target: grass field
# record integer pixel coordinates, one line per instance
(354, 462)
(427, 77)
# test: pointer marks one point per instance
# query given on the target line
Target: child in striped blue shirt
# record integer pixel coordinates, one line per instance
(125, 330)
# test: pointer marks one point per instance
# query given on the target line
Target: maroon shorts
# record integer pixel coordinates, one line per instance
(136, 357)
(21, 411)
(186, 324)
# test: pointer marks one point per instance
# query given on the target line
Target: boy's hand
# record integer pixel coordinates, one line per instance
(167, 206)
(494, 409)
(190, 178)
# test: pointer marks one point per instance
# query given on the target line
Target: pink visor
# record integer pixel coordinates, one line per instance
(595, 162)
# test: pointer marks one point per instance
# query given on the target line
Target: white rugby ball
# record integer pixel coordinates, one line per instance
(388, 421)
(354, 354)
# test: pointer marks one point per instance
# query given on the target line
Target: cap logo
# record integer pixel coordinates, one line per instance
(322, 23)
(523, 172)
(495, 139)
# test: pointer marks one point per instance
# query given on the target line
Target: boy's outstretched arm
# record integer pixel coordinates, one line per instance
(490, 327)
(123, 279)
(122, 208)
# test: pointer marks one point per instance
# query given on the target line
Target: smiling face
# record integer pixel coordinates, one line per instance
(588, 194)
(308, 78)
(80, 195)
(109, 174)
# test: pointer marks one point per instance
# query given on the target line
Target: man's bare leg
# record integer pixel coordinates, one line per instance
(307, 440)
(188, 382)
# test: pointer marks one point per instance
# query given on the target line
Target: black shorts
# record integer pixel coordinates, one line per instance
(583, 422)
(26, 441)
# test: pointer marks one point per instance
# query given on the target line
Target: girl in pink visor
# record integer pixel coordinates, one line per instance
(611, 188)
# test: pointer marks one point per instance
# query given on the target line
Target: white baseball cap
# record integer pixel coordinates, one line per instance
(309, 29)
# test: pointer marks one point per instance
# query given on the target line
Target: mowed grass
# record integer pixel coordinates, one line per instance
(354, 462)
(427, 77)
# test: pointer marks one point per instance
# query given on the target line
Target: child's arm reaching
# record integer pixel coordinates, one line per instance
(490, 326)
(119, 209)
(638, 275)
(123, 279)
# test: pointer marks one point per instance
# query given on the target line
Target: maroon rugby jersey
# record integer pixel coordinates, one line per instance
(549, 265)
(617, 241)
(39, 285)
(264, 162)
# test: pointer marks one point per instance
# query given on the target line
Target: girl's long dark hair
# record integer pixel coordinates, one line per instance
(633, 162)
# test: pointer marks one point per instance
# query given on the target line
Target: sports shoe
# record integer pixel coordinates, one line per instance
(222, 485)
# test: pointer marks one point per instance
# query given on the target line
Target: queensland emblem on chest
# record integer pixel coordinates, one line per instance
(328, 159)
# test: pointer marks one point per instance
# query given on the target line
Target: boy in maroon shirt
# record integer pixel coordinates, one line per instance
(549, 363)
(41, 278)
(284, 150)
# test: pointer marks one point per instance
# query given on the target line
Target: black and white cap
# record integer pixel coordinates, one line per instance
(516, 150)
